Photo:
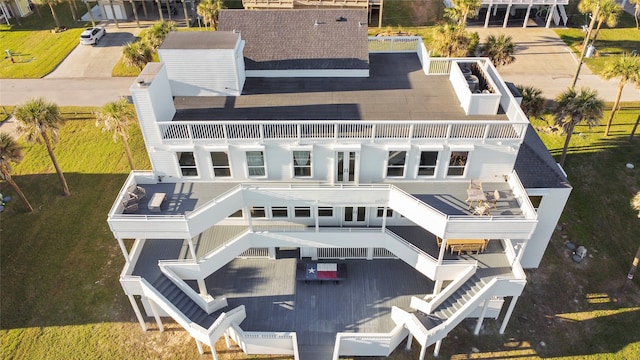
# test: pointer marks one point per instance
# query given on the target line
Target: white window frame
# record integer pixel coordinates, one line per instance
(195, 162)
(293, 162)
(404, 166)
(213, 166)
(468, 150)
(304, 208)
(264, 162)
(437, 149)
(280, 207)
(333, 212)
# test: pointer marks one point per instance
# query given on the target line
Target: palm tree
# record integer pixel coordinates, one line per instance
(467, 8)
(51, 4)
(636, 12)
(532, 101)
(609, 12)
(39, 120)
(116, 116)
(10, 152)
(209, 10)
(627, 68)
(575, 107)
(137, 54)
(635, 203)
(157, 32)
(451, 40)
(499, 49)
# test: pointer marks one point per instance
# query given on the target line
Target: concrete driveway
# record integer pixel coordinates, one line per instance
(545, 61)
(87, 61)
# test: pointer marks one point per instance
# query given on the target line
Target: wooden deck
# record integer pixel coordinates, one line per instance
(275, 301)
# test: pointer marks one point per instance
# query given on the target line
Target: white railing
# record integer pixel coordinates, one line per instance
(254, 343)
(526, 2)
(255, 253)
(206, 303)
(394, 44)
(368, 344)
(212, 131)
(342, 253)
(428, 306)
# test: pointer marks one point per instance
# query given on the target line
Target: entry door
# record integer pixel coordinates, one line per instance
(345, 166)
(355, 216)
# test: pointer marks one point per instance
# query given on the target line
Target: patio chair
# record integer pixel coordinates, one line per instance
(475, 184)
(484, 209)
(137, 192)
(493, 198)
(132, 208)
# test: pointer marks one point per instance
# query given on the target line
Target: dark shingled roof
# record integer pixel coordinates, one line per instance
(536, 168)
(301, 39)
(200, 40)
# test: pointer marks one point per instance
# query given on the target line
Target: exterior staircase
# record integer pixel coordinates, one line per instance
(459, 298)
(184, 303)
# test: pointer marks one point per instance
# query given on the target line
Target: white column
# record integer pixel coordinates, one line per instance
(443, 250)
(192, 249)
(213, 352)
(486, 18)
(436, 349)
(202, 287)
(526, 16)
(384, 218)
(481, 318)
(495, 10)
(249, 217)
(550, 15)
(409, 340)
(226, 340)
(437, 287)
(506, 16)
(155, 314)
(199, 345)
(316, 211)
(124, 250)
(136, 309)
(423, 352)
(507, 316)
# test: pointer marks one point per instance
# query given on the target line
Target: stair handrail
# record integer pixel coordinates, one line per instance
(155, 295)
(205, 302)
(213, 332)
(428, 306)
(214, 201)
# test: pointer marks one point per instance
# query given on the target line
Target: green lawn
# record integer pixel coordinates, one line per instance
(60, 265)
(610, 42)
(37, 50)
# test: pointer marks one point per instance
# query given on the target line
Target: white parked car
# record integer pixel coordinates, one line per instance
(92, 35)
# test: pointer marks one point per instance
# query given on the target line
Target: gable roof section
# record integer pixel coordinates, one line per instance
(535, 165)
(301, 39)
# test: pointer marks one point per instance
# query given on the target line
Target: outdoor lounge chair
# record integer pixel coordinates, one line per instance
(493, 198)
(484, 209)
(137, 192)
(475, 184)
(132, 208)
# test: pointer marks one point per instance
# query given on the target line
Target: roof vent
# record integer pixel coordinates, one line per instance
(315, 23)
(341, 18)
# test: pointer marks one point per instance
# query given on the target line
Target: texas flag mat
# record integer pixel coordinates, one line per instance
(322, 271)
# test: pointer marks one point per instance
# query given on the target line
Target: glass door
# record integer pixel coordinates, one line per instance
(355, 216)
(345, 166)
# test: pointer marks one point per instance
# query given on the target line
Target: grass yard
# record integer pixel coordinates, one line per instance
(610, 42)
(37, 50)
(60, 265)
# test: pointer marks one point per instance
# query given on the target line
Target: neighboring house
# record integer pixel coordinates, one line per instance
(549, 10)
(421, 190)
(13, 8)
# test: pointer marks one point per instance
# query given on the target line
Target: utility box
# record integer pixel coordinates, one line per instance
(591, 50)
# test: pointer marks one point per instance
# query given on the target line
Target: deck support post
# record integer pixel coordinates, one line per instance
(506, 16)
(436, 349)
(155, 315)
(443, 250)
(526, 16)
(486, 18)
(409, 340)
(124, 250)
(315, 211)
(550, 15)
(192, 249)
(136, 309)
(437, 287)
(481, 318)
(423, 352)
(199, 345)
(202, 287)
(507, 316)
(213, 352)
(249, 217)
(384, 219)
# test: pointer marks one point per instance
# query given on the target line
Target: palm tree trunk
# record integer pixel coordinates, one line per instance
(615, 107)
(634, 265)
(35, 6)
(566, 144)
(595, 34)
(633, 131)
(127, 150)
(55, 16)
(73, 10)
(63, 181)
(16, 188)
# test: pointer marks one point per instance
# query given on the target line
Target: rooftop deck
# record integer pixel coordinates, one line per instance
(397, 89)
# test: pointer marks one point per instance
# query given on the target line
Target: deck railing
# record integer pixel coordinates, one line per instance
(394, 44)
(225, 132)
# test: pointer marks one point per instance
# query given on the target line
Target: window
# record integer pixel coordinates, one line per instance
(395, 165)
(258, 212)
(325, 212)
(302, 212)
(457, 162)
(535, 201)
(255, 163)
(220, 161)
(427, 165)
(237, 214)
(302, 163)
(381, 212)
(187, 164)
(279, 212)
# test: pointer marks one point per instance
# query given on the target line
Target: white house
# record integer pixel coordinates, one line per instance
(549, 10)
(421, 190)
